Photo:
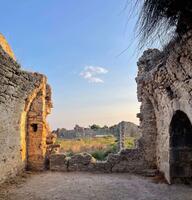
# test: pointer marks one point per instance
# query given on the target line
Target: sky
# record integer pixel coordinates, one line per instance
(87, 49)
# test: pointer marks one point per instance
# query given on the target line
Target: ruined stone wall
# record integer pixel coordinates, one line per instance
(121, 137)
(164, 86)
(165, 91)
(129, 160)
(18, 89)
(130, 129)
(126, 160)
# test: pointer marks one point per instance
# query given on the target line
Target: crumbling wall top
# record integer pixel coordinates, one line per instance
(4, 44)
(149, 59)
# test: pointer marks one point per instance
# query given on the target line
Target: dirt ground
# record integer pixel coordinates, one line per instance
(86, 186)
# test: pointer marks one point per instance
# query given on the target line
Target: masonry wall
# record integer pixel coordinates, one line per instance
(165, 80)
(17, 90)
(130, 129)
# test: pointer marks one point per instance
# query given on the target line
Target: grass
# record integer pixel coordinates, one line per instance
(99, 148)
(129, 142)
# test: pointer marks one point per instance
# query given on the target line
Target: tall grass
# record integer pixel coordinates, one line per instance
(99, 148)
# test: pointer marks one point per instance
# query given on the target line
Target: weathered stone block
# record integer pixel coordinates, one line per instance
(58, 162)
(80, 162)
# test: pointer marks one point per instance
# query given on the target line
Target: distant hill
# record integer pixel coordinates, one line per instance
(131, 130)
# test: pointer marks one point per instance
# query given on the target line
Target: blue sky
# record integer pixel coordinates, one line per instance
(64, 39)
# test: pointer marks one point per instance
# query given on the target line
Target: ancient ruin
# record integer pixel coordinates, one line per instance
(25, 101)
(89, 51)
(130, 129)
(164, 90)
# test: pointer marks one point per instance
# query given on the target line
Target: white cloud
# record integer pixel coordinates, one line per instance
(91, 73)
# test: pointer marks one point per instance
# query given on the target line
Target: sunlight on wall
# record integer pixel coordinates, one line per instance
(4, 44)
(23, 136)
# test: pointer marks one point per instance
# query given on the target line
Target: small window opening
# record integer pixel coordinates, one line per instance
(34, 126)
(170, 92)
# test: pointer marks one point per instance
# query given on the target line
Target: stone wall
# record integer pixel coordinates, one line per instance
(130, 129)
(121, 137)
(19, 92)
(164, 87)
(130, 160)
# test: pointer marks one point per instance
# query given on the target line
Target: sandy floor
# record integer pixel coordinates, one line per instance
(85, 186)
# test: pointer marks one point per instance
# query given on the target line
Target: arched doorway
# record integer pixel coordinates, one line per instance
(36, 133)
(180, 146)
(34, 130)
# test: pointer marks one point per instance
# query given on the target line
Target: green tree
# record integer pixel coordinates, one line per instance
(95, 127)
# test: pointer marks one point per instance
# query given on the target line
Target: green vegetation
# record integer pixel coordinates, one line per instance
(95, 127)
(99, 147)
(129, 142)
(102, 154)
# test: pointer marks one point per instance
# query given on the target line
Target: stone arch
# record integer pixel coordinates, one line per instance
(23, 125)
(180, 146)
(149, 132)
(33, 129)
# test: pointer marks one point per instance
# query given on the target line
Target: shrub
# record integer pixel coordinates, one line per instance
(99, 155)
(69, 154)
(102, 154)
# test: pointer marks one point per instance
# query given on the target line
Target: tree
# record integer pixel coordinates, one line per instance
(157, 17)
(95, 127)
